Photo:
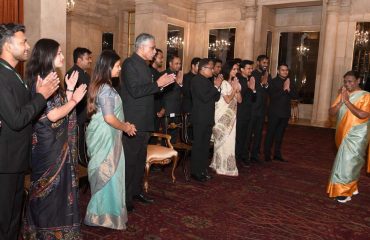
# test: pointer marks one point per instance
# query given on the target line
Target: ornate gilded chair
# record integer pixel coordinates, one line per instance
(158, 154)
(183, 144)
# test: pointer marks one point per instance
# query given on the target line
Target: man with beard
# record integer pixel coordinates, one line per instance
(17, 110)
(155, 66)
(171, 96)
(261, 76)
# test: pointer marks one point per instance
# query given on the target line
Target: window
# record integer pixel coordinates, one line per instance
(300, 51)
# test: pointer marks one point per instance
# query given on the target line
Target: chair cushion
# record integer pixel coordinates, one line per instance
(157, 152)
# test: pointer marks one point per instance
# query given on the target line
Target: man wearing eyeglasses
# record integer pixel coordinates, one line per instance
(204, 94)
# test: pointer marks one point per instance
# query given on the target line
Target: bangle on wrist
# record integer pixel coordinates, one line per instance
(69, 90)
(72, 100)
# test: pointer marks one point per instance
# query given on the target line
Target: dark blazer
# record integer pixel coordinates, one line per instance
(171, 97)
(137, 92)
(259, 106)
(186, 92)
(280, 99)
(83, 78)
(17, 110)
(244, 110)
(204, 96)
(158, 104)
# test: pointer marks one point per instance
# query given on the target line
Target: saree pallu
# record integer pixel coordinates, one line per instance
(351, 138)
(106, 170)
(52, 208)
(224, 133)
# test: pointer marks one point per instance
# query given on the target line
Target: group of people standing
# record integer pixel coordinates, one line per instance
(41, 132)
(40, 129)
(226, 104)
(229, 109)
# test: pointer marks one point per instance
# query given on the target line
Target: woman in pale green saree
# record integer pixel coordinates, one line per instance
(352, 108)
(106, 167)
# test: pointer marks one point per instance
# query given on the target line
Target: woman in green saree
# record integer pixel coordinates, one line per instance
(352, 108)
(106, 167)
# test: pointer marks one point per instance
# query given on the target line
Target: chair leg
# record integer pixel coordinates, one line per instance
(146, 177)
(175, 159)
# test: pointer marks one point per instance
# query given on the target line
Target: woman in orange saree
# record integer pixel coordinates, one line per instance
(352, 108)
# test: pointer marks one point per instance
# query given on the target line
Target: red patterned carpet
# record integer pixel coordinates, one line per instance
(269, 201)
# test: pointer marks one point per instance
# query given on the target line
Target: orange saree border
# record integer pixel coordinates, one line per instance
(339, 189)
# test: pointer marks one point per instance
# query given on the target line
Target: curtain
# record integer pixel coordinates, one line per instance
(11, 11)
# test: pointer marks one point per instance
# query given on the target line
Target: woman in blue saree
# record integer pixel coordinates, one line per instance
(106, 167)
(352, 108)
(52, 208)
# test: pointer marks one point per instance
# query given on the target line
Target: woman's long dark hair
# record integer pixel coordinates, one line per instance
(226, 69)
(41, 61)
(102, 74)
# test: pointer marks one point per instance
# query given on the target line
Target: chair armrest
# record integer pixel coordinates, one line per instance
(165, 136)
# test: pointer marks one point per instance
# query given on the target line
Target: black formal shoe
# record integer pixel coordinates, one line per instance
(267, 159)
(199, 178)
(130, 208)
(280, 159)
(245, 163)
(144, 199)
(207, 176)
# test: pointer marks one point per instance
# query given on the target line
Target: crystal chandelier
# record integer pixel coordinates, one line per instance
(361, 36)
(70, 5)
(302, 50)
(219, 45)
(175, 42)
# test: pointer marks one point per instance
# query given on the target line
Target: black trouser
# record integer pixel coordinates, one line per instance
(242, 140)
(200, 149)
(172, 132)
(135, 149)
(255, 129)
(275, 133)
(11, 196)
(83, 160)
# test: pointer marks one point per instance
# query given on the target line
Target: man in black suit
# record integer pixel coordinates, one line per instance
(281, 91)
(137, 93)
(171, 97)
(244, 111)
(186, 84)
(17, 110)
(82, 62)
(204, 94)
(255, 127)
(217, 67)
(155, 66)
